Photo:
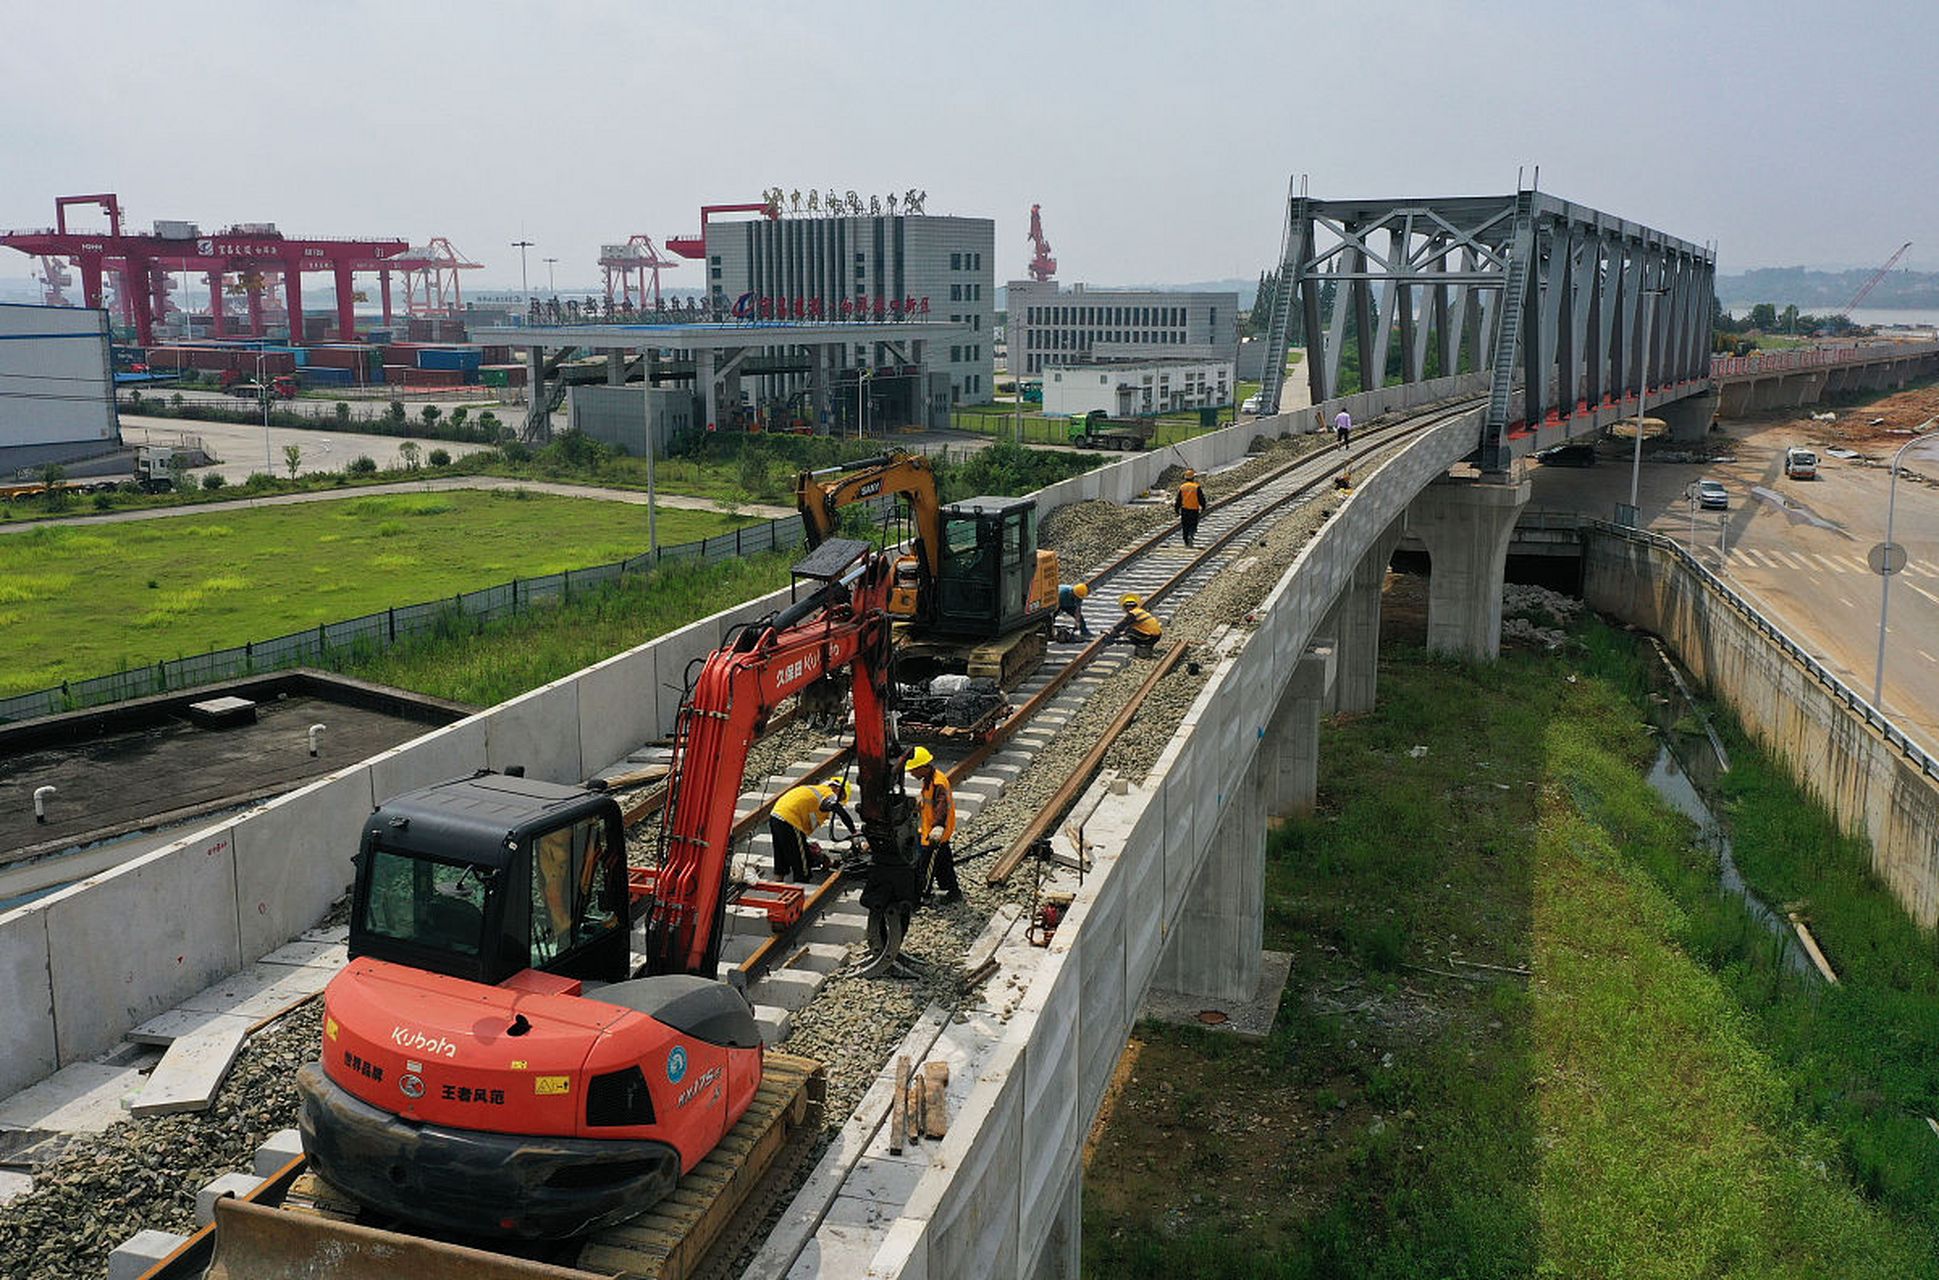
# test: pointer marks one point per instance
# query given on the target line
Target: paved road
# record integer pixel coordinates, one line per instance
(1798, 548)
(635, 497)
(242, 450)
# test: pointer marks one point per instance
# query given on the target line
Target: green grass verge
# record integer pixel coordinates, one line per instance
(1648, 1104)
(485, 667)
(79, 601)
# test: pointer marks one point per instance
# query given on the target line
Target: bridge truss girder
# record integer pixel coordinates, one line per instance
(1588, 291)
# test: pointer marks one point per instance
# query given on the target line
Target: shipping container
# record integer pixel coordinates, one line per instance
(323, 376)
(464, 359)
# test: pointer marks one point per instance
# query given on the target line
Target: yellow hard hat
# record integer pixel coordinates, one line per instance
(1190, 474)
(1130, 601)
(840, 787)
(1080, 591)
(920, 758)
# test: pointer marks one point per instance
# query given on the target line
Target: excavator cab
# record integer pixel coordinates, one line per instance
(988, 583)
(485, 877)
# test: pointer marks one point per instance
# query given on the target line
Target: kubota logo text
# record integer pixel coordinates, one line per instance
(418, 1042)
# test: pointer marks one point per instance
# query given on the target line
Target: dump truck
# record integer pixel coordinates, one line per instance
(1099, 430)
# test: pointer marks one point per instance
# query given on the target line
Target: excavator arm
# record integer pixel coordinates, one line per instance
(820, 496)
(842, 625)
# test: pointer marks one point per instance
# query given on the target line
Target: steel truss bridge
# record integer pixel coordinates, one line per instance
(1569, 310)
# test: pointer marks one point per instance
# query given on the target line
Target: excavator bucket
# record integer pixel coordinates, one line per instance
(256, 1243)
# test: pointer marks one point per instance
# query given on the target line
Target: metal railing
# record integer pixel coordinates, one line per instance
(374, 632)
(1818, 358)
(1853, 701)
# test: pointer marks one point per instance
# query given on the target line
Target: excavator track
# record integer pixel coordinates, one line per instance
(311, 1232)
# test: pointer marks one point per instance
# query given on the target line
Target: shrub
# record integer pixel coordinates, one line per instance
(362, 465)
(515, 451)
(103, 501)
(442, 457)
(258, 481)
(430, 413)
(213, 480)
(343, 411)
(395, 412)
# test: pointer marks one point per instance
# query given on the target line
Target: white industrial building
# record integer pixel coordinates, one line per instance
(1127, 388)
(1048, 325)
(56, 386)
(937, 268)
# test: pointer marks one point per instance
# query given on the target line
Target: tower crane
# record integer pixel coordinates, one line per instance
(1042, 265)
(634, 261)
(1871, 281)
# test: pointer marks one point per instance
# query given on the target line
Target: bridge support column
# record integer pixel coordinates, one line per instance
(1356, 634)
(1467, 526)
(538, 397)
(819, 416)
(1290, 754)
(616, 368)
(1689, 419)
(703, 372)
(1214, 949)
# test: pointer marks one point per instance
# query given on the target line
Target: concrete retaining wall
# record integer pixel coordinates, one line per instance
(1877, 784)
(107, 953)
(988, 1203)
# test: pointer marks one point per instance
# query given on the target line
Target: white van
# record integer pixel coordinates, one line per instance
(1800, 463)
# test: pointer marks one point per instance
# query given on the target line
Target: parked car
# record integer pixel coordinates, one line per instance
(1800, 463)
(1568, 455)
(1253, 405)
(1712, 496)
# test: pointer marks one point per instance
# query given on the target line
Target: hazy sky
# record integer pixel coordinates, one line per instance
(1158, 138)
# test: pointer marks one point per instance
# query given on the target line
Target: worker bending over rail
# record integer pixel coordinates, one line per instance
(1189, 504)
(1070, 600)
(797, 815)
(1139, 629)
(936, 821)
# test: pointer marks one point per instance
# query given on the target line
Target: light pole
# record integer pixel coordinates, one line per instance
(550, 287)
(262, 390)
(524, 289)
(1642, 394)
(861, 407)
(1883, 558)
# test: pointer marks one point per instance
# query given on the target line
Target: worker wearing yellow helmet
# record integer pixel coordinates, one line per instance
(797, 815)
(1139, 628)
(1189, 505)
(1070, 599)
(935, 825)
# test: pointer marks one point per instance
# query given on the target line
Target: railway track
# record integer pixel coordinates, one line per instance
(782, 972)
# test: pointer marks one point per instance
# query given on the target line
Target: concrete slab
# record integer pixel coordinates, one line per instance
(229, 1184)
(836, 1250)
(258, 991)
(311, 954)
(839, 924)
(14, 1185)
(277, 1150)
(819, 957)
(789, 988)
(165, 1029)
(138, 1254)
(27, 994)
(83, 1098)
(775, 1023)
(1249, 1019)
(327, 933)
(191, 1072)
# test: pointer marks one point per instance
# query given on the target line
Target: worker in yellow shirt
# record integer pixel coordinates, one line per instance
(935, 824)
(1189, 504)
(1139, 628)
(797, 815)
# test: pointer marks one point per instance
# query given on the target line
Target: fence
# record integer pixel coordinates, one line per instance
(1038, 429)
(1816, 358)
(375, 631)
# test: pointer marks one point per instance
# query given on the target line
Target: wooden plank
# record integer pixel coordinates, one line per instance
(899, 1108)
(935, 1102)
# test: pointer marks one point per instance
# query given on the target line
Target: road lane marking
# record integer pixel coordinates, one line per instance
(1928, 657)
(1848, 604)
(1828, 563)
(1922, 591)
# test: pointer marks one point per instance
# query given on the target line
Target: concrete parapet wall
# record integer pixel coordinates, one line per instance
(1876, 783)
(88, 963)
(988, 1203)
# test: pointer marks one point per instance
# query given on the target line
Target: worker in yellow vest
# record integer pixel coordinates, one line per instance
(1139, 628)
(935, 824)
(797, 815)
(1189, 504)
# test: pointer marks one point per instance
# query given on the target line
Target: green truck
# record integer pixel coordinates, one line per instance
(1099, 430)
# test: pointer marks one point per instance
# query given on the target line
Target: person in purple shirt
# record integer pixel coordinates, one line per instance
(1343, 427)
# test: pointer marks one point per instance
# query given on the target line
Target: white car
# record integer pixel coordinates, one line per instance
(1712, 496)
(1253, 405)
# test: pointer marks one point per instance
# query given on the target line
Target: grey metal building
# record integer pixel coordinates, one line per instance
(1050, 325)
(942, 267)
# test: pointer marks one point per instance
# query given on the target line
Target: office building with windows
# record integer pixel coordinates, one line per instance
(935, 268)
(1049, 325)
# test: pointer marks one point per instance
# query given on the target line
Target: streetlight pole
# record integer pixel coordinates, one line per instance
(524, 289)
(1642, 395)
(1885, 566)
(262, 390)
(861, 406)
(550, 287)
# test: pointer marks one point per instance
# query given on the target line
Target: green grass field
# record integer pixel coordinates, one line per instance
(80, 601)
(1649, 1101)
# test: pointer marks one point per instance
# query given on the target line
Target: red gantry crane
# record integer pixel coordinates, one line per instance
(1042, 265)
(1871, 281)
(631, 264)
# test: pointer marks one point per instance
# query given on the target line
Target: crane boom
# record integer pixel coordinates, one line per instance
(1871, 281)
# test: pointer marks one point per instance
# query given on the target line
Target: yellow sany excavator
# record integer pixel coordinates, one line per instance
(973, 595)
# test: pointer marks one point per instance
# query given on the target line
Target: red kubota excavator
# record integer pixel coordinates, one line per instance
(494, 1060)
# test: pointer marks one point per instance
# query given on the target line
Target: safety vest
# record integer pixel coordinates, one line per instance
(1191, 496)
(1143, 623)
(938, 807)
(800, 807)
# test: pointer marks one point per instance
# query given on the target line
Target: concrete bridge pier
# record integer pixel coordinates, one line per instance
(1353, 625)
(1214, 951)
(1466, 525)
(1290, 754)
(1689, 419)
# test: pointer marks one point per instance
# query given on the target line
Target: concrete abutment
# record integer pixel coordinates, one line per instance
(1466, 525)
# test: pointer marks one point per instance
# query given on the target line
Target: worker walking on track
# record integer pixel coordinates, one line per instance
(1343, 427)
(1139, 629)
(797, 815)
(1189, 504)
(1070, 599)
(936, 825)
